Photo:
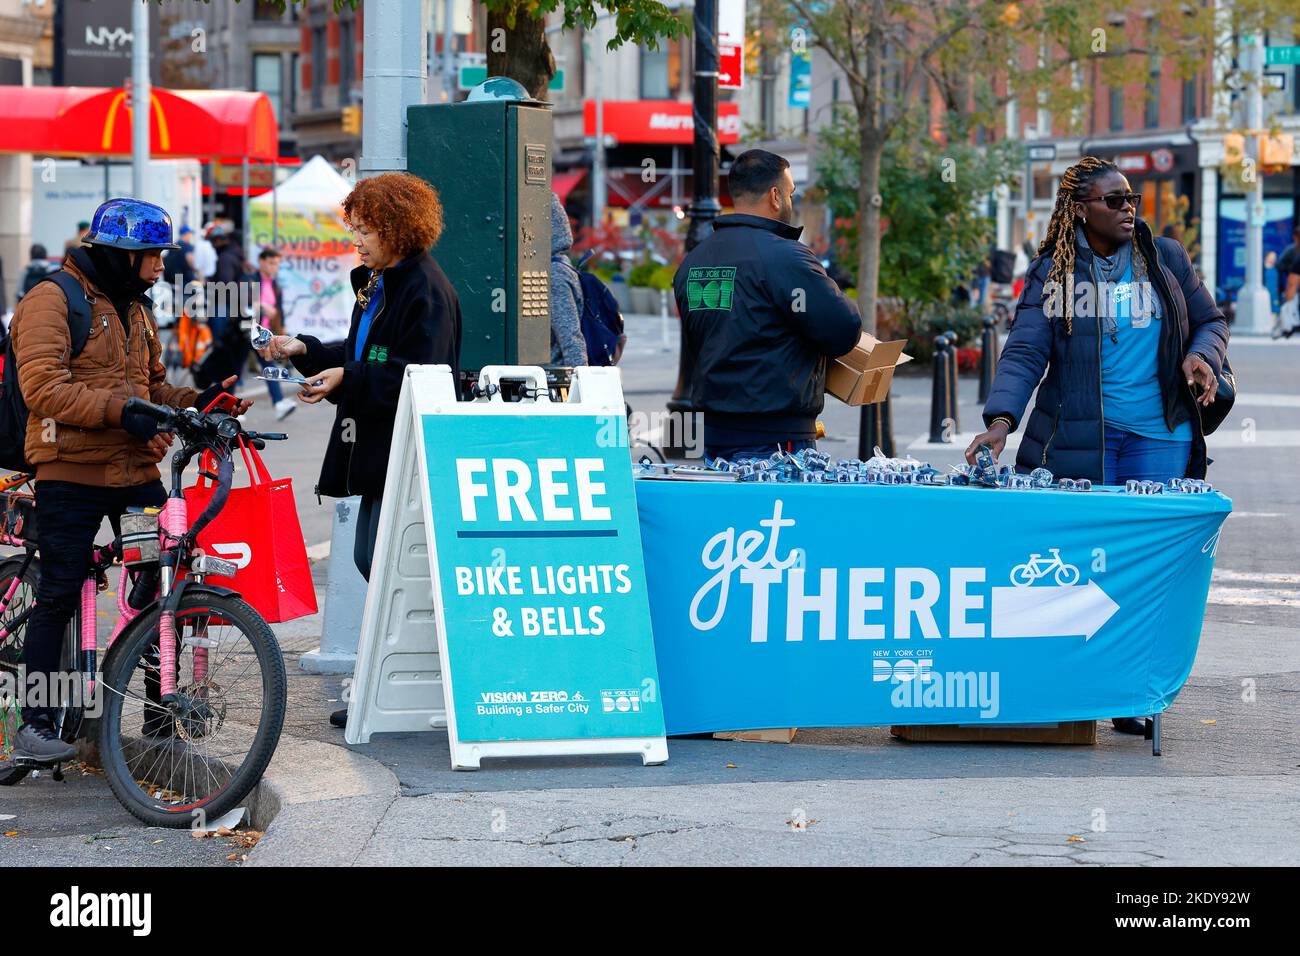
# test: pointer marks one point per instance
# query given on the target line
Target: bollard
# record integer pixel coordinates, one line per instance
(876, 429)
(939, 398)
(345, 600)
(953, 393)
(988, 357)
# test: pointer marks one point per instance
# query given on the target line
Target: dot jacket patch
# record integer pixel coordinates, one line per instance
(710, 287)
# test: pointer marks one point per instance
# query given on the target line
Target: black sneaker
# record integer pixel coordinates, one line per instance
(37, 743)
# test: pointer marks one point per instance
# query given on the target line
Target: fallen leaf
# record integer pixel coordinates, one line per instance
(232, 856)
(731, 766)
(225, 831)
(1076, 839)
(154, 842)
(11, 833)
(1210, 721)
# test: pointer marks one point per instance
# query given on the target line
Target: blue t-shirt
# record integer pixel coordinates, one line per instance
(367, 316)
(1130, 384)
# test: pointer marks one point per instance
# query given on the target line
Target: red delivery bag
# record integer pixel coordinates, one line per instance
(259, 531)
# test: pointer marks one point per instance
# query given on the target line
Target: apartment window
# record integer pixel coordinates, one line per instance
(266, 10)
(294, 99)
(654, 74)
(1152, 105)
(1189, 99)
(267, 79)
(347, 59)
(318, 60)
(1116, 108)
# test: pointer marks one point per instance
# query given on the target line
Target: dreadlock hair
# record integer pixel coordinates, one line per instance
(1059, 241)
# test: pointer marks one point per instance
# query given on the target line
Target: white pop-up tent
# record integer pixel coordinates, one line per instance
(315, 245)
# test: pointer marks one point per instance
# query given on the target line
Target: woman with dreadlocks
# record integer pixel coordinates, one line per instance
(1130, 340)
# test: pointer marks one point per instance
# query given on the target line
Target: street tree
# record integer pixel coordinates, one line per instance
(980, 54)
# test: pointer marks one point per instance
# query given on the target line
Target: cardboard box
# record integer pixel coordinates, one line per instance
(780, 735)
(863, 376)
(1068, 732)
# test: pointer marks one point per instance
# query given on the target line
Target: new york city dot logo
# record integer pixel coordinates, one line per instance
(710, 287)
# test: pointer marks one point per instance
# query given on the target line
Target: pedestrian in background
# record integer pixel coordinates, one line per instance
(407, 312)
(83, 227)
(269, 314)
(37, 269)
(568, 347)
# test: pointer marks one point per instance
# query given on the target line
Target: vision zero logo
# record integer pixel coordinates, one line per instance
(620, 701)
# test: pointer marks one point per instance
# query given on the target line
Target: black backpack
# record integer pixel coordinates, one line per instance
(602, 322)
(13, 409)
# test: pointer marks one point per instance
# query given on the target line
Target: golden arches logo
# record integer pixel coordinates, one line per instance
(119, 98)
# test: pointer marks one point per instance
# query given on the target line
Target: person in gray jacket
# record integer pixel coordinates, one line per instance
(568, 347)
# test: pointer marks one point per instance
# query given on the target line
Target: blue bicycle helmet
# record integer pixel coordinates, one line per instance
(131, 224)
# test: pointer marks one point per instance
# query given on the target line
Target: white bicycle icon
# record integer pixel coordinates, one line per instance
(1023, 575)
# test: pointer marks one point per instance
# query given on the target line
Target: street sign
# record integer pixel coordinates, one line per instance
(471, 75)
(731, 44)
(1282, 56)
(731, 67)
(1044, 153)
(800, 81)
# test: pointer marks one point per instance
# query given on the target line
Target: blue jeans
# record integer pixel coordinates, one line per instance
(738, 453)
(1141, 458)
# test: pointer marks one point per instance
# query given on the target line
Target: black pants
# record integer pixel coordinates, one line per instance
(363, 544)
(69, 518)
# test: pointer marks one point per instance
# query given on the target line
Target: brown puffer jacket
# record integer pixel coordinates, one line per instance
(75, 409)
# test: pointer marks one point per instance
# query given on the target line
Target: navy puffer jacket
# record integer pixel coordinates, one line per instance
(1065, 429)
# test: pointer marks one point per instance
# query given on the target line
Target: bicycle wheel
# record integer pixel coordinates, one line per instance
(200, 757)
(13, 670)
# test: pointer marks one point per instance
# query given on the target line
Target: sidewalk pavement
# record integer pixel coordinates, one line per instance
(1223, 793)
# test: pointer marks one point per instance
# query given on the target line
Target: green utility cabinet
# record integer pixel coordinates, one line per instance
(490, 161)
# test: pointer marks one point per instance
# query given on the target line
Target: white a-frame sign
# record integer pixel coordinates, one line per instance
(507, 600)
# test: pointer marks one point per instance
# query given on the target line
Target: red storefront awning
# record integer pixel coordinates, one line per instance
(91, 121)
(669, 122)
(563, 183)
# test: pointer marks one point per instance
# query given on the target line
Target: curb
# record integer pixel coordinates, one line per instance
(318, 804)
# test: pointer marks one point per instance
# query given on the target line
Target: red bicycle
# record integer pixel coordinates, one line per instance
(191, 698)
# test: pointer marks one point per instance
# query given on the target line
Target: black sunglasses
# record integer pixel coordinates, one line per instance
(1118, 201)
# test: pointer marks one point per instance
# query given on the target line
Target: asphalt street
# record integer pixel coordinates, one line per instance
(1225, 791)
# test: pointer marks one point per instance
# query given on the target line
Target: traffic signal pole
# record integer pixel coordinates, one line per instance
(1254, 304)
(395, 54)
(705, 206)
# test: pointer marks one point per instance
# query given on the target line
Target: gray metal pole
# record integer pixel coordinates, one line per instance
(275, 205)
(448, 54)
(1254, 305)
(599, 181)
(396, 77)
(139, 96)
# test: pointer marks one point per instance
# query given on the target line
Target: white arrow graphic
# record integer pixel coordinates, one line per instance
(1079, 609)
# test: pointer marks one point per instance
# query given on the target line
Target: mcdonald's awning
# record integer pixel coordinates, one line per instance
(90, 121)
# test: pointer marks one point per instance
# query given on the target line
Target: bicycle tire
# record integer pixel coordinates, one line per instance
(12, 653)
(10, 656)
(123, 662)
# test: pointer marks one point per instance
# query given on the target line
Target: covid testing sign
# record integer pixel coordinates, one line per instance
(538, 585)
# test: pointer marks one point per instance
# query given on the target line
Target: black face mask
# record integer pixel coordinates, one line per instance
(115, 272)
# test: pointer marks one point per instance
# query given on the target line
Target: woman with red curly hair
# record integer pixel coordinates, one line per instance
(406, 312)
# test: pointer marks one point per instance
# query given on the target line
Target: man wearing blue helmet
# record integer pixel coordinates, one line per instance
(92, 458)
